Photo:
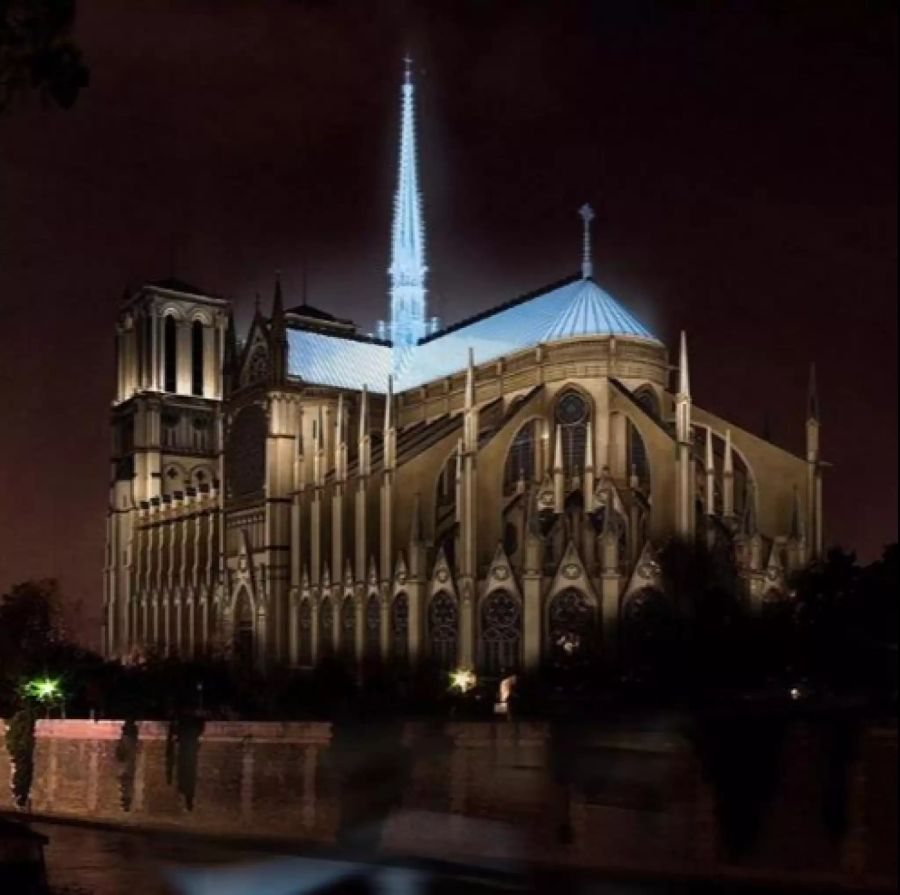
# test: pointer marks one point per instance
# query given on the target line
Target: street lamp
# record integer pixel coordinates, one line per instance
(47, 691)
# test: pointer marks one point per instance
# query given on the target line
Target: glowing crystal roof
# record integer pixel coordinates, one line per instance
(578, 307)
(323, 359)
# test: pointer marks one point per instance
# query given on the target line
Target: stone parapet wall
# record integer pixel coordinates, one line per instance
(229, 778)
(593, 797)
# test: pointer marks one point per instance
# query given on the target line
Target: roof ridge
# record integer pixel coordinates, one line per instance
(521, 299)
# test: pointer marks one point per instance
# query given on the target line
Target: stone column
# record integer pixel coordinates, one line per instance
(531, 621)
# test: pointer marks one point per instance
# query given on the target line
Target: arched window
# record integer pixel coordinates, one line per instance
(400, 628)
(443, 622)
(520, 459)
(348, 628)
(570, 626)
(572, 417)
(500, 643)
(373, 628)
(445, 510)
(326, 628)
(638, 463)
(305, 651)
(196, 358)
(170, 354)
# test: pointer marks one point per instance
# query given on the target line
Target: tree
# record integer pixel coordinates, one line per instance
(38, 54)
(30, 623)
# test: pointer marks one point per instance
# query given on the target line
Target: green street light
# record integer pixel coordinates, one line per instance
(45, 690)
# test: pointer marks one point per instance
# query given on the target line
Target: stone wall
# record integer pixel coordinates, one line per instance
(621, 800)
(231, 778)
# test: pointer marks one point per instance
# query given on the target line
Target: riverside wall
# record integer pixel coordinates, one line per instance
(630, 800)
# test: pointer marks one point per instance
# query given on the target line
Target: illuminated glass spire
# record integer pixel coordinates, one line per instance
(408, 269)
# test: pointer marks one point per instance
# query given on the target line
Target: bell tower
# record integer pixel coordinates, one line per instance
(170, 340)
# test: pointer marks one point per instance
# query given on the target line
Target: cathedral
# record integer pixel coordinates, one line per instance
(484, 495)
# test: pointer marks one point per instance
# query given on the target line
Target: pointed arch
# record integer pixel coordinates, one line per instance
(499, 633)
(372, 631)
(348, 628)
(571, 626)
(521, 457)
(399, 628)
(573, 411)
(638, 458)
(443, 630)
(326, 627)
(445, 509)
(306, 640)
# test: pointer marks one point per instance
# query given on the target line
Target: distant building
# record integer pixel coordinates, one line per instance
(482, 495)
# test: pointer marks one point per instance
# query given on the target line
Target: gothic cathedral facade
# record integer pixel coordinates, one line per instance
(480, 495)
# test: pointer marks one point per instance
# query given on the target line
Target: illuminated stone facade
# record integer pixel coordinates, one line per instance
(495, 493)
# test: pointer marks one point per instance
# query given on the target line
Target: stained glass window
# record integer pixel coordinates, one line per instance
(305, 651)
(400, 628)
(520, 459)
(443, 621)
(373, 627)
(326, 627)
(570, 625)
(348, 628)
(501, 633)
(572, 417)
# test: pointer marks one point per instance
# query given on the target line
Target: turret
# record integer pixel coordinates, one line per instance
(588, 489)
(728, 480)
(278, 335)
(710, 464)
(684, 510)
(813, 468)
(470, 422)
(389, 431)
(559, 486)
(797, 534)
(230, 356)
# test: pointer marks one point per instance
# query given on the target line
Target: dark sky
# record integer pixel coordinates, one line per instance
(740, 156)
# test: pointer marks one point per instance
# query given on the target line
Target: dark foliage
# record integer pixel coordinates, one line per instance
(38, 54)
(20, 746)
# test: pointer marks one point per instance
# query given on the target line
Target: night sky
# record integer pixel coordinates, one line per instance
(740, 157)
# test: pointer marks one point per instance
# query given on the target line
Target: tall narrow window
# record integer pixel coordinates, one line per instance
(373, 628)
(571, 625)
(170, 349)
(348, 629)
(501, 634)
(520, 459)
(399, 631)
(443, 625)
(572, 417)
(326, 627)
(197, 358)
(638, 461)
(305, 633)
